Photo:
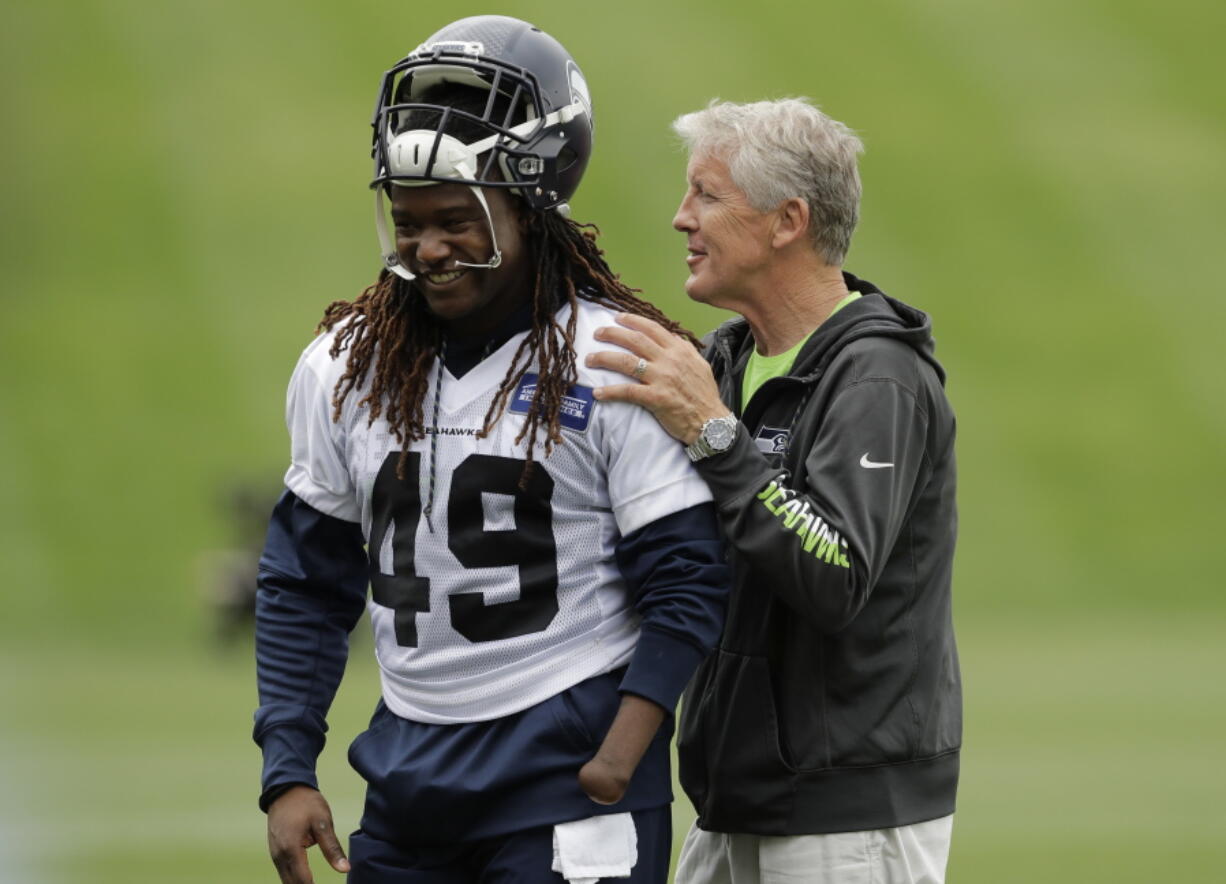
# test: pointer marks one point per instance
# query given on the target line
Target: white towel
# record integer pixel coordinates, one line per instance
(598, 847)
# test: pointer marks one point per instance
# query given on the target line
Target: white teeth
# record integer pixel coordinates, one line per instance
(442, 278)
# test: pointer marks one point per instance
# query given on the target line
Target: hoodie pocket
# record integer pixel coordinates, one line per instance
(730, 743)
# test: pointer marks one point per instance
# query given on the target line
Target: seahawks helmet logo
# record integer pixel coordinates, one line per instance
(578, 88)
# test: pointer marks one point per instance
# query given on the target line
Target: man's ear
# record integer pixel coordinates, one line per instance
(791, 222)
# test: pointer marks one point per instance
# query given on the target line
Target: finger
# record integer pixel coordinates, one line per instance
(330, 845)
(635, 393)
(614, 360)
(634, 341)
(651, 329)
(293, 867)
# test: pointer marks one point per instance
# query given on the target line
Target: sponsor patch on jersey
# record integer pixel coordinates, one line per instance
(772, 440)
(577, 404)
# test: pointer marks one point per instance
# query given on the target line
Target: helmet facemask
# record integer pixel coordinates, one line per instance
(448, 114)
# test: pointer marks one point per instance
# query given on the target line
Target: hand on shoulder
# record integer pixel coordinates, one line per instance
(674, 382)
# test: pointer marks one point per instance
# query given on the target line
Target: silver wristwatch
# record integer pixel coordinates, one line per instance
(715, 437)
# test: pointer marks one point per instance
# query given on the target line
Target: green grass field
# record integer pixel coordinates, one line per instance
(1093, 755)
(186, 191)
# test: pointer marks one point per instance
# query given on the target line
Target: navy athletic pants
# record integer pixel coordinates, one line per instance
(443, 784)
(518, 858)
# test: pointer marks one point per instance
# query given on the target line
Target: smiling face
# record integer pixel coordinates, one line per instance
(437, 226)
(729, 241)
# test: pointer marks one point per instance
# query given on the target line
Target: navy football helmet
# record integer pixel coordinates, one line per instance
(529, 129)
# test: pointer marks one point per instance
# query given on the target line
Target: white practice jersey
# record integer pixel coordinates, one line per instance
(486, 598)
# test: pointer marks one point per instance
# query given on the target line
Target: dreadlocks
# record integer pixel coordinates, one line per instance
(392, 336)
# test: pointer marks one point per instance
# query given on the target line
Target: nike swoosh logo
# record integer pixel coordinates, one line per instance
(872, 464)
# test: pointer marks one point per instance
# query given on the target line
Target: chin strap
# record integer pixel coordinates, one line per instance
(409, 153)
(496, 259)
(391, 260)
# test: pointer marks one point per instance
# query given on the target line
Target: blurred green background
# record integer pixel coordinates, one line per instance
(186, 190)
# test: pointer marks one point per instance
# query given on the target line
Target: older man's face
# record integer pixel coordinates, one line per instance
(728, 239)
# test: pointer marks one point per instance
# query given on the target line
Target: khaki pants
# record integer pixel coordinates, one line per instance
(913, 854)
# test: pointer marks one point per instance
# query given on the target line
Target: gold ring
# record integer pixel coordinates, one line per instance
(640, 369)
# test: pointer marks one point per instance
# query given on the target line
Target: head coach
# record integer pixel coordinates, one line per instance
(821, 741)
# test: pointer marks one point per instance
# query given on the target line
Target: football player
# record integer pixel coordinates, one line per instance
(545, 571)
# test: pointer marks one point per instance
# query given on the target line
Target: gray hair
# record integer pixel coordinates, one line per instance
(776, 150)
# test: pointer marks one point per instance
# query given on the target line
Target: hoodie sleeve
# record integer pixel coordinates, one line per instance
(821, 543)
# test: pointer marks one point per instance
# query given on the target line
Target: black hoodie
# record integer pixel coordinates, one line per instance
(834, 700)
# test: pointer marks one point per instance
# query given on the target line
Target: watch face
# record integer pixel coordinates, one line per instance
(719, 434)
